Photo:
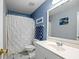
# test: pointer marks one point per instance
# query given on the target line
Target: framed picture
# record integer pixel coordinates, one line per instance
(39, 20)
(64, 21)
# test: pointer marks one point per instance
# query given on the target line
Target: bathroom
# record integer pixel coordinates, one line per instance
(39, 29)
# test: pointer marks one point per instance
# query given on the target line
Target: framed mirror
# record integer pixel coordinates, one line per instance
(63, 20)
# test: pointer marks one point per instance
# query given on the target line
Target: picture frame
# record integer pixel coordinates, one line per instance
(39, 20)
(64, 21)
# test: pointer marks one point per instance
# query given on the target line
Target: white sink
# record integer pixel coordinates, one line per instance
(55, 46)
(64, 51)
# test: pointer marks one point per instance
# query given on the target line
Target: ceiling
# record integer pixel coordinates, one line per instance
(24, 6)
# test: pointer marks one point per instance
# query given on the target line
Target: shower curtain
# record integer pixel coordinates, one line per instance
(20, 32)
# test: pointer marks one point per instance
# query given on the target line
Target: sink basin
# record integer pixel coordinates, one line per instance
(54, 45)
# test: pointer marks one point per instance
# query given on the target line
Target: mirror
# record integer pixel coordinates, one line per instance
(63, 20)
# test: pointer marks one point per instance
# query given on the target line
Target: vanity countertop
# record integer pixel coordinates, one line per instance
(64, 51)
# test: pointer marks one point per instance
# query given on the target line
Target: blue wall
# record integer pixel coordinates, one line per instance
(42, 12)
(18, 13)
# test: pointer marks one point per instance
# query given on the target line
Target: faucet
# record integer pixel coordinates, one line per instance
(59, 43)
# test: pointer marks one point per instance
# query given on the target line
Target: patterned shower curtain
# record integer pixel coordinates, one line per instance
(20, 32)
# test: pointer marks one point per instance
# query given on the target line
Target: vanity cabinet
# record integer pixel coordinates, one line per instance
(51, 55)
(43, 53)
(40, 52)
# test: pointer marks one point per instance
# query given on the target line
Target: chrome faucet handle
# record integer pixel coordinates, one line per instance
(59, 43)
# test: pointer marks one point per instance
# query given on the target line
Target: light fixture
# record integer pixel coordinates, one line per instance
(55, 1)
(59, 1)
(31, 4)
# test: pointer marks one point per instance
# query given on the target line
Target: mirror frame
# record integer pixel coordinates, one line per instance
(60, 39)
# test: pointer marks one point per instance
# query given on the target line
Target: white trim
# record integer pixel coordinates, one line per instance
(1, 23)
(47, 23)
(77, 25)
